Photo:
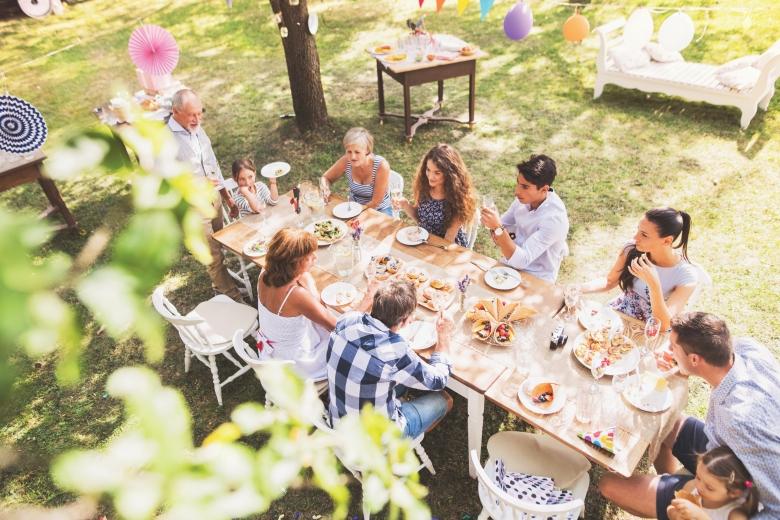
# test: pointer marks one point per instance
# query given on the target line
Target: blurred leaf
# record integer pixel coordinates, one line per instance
(225, 432)
(148, 246)
(109, 293)
(86, 151)
(194, 239)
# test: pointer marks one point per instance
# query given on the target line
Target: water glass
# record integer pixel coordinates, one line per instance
(584, 407)
(521, 351)
(395, 194)
(489, 203)
(343, 258)
(652, 333)
(619, 383)
(571, 297)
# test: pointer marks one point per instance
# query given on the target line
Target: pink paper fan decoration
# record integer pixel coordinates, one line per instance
(153, 50)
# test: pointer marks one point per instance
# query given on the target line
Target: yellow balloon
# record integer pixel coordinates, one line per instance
(576, 28)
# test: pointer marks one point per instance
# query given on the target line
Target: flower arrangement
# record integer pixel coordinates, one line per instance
(357, 229)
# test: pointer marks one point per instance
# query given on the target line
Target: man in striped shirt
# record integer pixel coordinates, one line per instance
(370, 363)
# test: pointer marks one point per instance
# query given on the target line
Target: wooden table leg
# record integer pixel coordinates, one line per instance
(472, 96)
(53, 194)
(441, 92)
(408, 112)
(380, 87)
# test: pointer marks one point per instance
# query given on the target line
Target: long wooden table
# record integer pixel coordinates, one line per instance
(482, 370)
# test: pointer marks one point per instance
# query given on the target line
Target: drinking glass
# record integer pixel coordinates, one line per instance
(395, 194)
(571, 297)
(343, 258)
(584, 406)
(619, 383)
(261, 211)
(598, 367)
(521, 352)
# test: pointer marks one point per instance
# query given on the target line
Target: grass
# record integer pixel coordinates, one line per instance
(617, 157)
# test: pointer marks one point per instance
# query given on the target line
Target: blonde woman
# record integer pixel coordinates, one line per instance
(368, 174)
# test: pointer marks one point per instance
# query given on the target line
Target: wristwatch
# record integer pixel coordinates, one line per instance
(498, 231)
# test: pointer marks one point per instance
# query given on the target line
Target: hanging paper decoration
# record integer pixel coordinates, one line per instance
(421, 2)
(439, 5)
(462, 5)
(153, 50)
(22, 128)
(576, 28)
(518, 21)
(484, 8)
(676, 33)
(35, 8)
(229, 3)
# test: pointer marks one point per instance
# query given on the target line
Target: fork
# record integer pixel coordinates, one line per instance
(425, 241)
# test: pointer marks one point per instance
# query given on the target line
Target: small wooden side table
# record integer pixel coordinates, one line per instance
(28, 169)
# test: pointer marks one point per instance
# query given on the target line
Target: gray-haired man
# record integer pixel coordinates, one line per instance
(195, 149)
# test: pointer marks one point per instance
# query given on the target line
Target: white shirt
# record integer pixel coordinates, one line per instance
(195, 149)
(540, 236)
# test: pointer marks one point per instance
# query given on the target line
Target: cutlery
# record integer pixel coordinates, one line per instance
(481, 267)
(425, 241)
(563, 304)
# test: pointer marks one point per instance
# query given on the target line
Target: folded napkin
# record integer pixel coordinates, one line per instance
(530, 488)
(447, 42)
(602, 439)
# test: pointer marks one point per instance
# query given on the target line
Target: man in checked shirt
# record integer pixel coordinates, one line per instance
(743, 414)
(370, 363)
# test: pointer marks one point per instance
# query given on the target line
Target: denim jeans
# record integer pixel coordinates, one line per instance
(422, 412)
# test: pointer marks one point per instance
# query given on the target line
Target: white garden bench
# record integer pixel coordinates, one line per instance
(692, 81)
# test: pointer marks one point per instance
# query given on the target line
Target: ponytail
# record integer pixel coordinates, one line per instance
(684, 232)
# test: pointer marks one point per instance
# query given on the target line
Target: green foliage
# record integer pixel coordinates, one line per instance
(153, 468)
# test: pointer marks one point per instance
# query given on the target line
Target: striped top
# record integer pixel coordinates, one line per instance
(263, 195)
(363, 193)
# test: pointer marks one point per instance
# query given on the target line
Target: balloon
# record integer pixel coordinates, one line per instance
(676, 33)
(484, 8)
(638, 29)
(518, 21)
(439, 5)
(462, 5)
(576, 28)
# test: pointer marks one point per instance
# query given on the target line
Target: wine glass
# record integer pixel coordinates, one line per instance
(619, 383)
(489, 203)
(571, 297)
(652, 333)
(396, 193)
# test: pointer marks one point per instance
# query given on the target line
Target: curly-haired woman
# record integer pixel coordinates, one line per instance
(444, 195)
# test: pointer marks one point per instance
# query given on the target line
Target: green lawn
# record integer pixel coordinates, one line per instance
(617, 157)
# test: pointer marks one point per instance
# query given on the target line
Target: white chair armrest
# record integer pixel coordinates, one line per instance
(609, 27)
(769, 74)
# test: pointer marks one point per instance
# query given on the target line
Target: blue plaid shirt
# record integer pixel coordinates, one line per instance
(365, 363)
(744, 414)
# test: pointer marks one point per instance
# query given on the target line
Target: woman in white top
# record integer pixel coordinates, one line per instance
(655, 279)
(293, 322)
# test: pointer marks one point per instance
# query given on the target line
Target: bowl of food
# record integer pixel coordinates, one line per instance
(504, 334)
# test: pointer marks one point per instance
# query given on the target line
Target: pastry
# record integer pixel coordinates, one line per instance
(482, 330)
(504, 334)
(543, 394)
(687, 495)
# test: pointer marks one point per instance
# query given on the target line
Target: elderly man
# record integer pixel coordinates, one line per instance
(370, 363)
(743, 414)
(195, 149)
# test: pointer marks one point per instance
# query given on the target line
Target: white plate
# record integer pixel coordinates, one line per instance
(373, 50)
(404, 235)
(275, 169)
(594, 315)
(640, 394)
(624, 365)
(502, 278)
(347, 210)
(420, 334)
(559, 399)
(339, 224)
(254, 254)
(339, 294)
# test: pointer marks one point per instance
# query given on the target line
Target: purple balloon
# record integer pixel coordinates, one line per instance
(518, 21)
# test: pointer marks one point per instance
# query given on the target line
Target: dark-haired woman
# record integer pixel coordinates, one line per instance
(293, 322)
(653, 271)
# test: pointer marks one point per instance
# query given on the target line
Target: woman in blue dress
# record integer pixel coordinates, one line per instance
(444, 194)
(368, 174)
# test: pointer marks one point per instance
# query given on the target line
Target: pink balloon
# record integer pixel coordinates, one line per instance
(518, 21)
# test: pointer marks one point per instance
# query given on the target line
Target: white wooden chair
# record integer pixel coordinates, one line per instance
(207, 331)
(531, 454)
(692, 81)
(241, 275)
(704, 282)
(321, 424)
(471, 232)
(252, 358)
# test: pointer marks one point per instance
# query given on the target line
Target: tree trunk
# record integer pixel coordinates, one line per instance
(303, 64)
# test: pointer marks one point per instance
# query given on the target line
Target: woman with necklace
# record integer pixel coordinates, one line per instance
(368, 174)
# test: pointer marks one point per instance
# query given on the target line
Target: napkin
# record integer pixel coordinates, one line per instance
(602, 439)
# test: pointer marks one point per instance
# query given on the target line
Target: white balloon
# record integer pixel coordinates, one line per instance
(638, 29)
(676, 33)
